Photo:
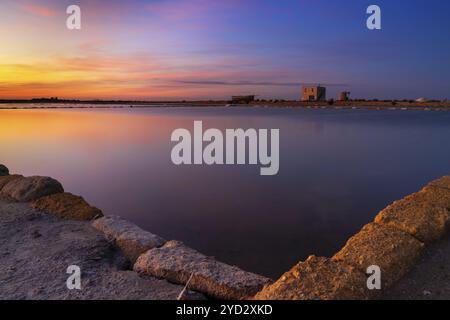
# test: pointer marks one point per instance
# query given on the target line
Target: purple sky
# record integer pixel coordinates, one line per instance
(185, 49)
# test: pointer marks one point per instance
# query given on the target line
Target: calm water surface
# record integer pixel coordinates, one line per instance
(338, 168)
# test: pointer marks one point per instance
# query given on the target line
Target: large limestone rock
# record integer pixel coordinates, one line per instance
(177, 262)
(31, 188)
(3, 170)
(132, 240)
(318, 279)
(67, 206)
(422, 220)
(394, 251)
(4, 180)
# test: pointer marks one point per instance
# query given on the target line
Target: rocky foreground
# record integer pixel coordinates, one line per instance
(43, 230)
(36, 249)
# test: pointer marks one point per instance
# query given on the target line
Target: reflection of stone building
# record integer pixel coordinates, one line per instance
(316, 93)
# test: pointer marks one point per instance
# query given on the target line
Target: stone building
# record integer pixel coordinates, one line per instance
(314, 93)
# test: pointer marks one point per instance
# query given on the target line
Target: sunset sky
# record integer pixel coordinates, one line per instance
(202, 49)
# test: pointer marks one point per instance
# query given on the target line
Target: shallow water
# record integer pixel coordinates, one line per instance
(338, 168)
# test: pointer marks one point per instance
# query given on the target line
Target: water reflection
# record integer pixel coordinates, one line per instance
(337, 169)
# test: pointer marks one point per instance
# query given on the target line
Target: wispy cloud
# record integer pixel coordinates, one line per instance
(39, 10)
(253, 83)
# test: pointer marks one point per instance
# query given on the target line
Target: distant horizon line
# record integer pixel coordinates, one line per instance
(181, 100)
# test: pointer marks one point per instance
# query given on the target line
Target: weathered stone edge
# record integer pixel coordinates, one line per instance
(375, 294)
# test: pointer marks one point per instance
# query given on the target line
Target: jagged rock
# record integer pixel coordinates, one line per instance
(4, 170)
(394, 251)
(177, 262)
(67, 206)
(4, 180)
(422, 220)
(132, 240)
(31, 188)
(318, 279)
